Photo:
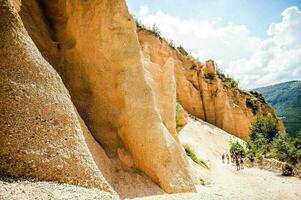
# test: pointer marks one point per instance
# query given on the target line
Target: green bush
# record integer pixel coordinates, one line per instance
(266, 141)
(237, 148)
(220, 74)
(182, 51)
(258, 96)
(202, 181)
(262, 132)
(258, 147)
(210, 76)
(226, 79)
(252, 103)
(193, 156)
(264, 125)
(156, 31)
(231, 83)
(284, 148)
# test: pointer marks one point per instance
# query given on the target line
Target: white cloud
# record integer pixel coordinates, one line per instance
(143, 10)
(254, 61)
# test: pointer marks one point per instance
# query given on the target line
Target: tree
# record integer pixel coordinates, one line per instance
(264, 125)
(284, 149)
(298, 140)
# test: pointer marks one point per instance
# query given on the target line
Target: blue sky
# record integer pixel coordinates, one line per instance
(257, 15)
(258, 42)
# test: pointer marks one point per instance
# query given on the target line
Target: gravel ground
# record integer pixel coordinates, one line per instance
(11, 189)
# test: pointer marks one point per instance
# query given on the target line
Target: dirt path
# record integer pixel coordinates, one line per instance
(209, 143)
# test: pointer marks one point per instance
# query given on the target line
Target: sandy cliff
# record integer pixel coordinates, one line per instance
(40, 131)
(94, 48)
(201, 90)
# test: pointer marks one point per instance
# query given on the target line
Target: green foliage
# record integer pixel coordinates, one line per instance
(227, 80)
(285, 98)
(264, 125)
(155, 30)
(258, 147)
(258, 96)
(253, 100)
(237, 148)
(252, 103)
(193, 156)
(202, 181)
(220, 74)
(210, 76)
(182, 51)
(284, 149)
(298, 140)
(231, 83)
(266, 141)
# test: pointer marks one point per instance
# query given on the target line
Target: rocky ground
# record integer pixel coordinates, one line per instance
(12, 189)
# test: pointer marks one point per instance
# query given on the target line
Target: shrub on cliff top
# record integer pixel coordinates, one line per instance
(252, 103)
(210, 76)
(228, 81)
(182, 50)
(156, 32)
(258, 96)
(253, 100)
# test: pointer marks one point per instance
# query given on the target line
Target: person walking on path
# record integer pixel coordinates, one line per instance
(241, 162)
(223, 158)
(228, 158)
(237, 161)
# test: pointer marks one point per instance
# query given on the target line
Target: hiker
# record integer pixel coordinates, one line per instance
(287, 170)
(232, 157)
(223, 158)
(241, 163)
(228, 158)
(237, 161)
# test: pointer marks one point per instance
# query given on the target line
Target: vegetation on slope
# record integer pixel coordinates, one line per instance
(237, 148)
(285, 98)
(228, 81)
(154, 30)
(190, 152)
(265, 140)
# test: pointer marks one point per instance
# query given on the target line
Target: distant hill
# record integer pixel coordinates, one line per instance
(286, 100)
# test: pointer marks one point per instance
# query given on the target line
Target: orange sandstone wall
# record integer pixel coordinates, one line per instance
(206, 99)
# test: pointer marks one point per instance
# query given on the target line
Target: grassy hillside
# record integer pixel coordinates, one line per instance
(286, 100)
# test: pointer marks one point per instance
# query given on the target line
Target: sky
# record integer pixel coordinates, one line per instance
(258, 42)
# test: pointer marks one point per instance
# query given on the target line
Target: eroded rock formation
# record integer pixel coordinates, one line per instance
(200, 90)
(40, 131)
(94, 47)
